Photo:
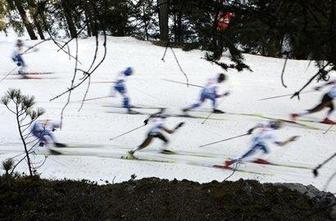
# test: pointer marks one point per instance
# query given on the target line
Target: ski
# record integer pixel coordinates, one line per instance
(103, 82)
(196, 117)
(133, 107)
(315, 121)
(222, 167)
(80, 146)
(147, 159)
(37, 73)
(282, 165)
(129, 113)
(29, 77)
(299, 124)
(239, 170)
(54, 152)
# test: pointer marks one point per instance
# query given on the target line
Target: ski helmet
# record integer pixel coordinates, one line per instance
(275, 124)
(221, 77)
(128, 71)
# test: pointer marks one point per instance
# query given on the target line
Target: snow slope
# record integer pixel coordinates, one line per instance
(95, 123)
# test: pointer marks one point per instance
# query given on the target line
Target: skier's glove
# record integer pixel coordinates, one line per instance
(294, 138)
(315, 172)
(226, 93)
(250, 131)
(179, 125)
(317, 88)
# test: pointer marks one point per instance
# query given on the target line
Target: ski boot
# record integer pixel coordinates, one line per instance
(130, 111)
(217, 111)
(129, 155)
(228, 163)
(294, 116)
(327, 121)
(59, 144)
(261, 161)
(185, 110)
(166, 151)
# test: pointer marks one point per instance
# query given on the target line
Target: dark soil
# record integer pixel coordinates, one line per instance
(24, 198)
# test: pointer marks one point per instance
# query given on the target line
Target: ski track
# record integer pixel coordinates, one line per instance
(94, 125)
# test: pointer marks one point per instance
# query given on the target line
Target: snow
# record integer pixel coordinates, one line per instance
(94, 125)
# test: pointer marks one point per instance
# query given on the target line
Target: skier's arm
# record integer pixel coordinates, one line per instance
(173, 130)
(168, 130)
(154, 115)
(289, 140)
(260, 125)
(326, 84)
(227, 93)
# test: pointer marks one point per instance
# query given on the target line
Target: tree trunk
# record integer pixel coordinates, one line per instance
(163, 17)
(88, 26)
(91, 23)
(179, 28)
(25, 20)
(33, 14)
(68, 18)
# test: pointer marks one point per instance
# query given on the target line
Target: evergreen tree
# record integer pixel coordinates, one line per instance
(22, 107)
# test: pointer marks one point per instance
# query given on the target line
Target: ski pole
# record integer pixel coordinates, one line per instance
(95, 98)
(230, 138)
(179, 82)
(8, 74)
(325, 132)
(210, 114)
(113, 138)
(315, 171)
(285, 95)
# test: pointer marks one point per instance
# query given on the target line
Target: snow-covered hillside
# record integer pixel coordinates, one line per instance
(95, 124)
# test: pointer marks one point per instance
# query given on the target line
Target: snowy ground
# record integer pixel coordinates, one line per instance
(95, 125)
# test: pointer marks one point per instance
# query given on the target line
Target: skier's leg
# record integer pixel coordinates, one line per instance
(48, 137)
(164, 139)
(144, 144)
(213, 99)
(120, 88)
(39, 137)
(214, 102)
(197, 104)
(331, 109)
(126, 102)
(249, 153)
(325, 102)
(22, 65)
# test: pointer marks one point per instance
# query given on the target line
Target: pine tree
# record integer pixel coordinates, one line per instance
(22, 107)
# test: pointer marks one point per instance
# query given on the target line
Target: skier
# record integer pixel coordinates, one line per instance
(259, 142)
(43, 130)
(326, 102)
(157, 121)
(209, 92)
(18, 59)
(120, 87)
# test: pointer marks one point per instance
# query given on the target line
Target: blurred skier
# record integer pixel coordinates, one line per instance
(209, 92)
(326, 102)
(120, 87)
(260, 142)
(43, 130)
(157, 121)
(18, 59)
